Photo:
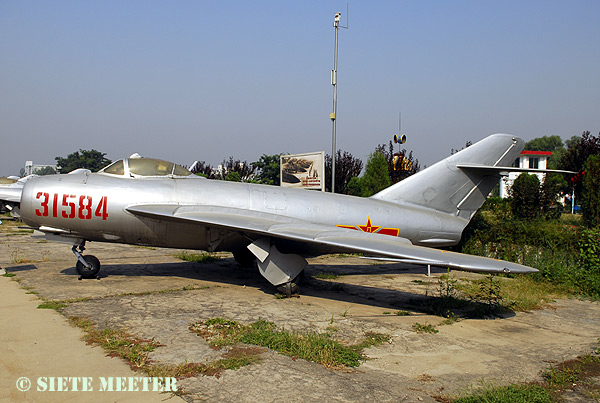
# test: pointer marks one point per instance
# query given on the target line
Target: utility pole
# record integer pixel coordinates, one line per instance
(332, 116)
(336, 25)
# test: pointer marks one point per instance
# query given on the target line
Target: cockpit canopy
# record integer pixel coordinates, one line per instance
(136, 167)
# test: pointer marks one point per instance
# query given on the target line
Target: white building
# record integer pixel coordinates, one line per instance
(527, 159)
(31, 168)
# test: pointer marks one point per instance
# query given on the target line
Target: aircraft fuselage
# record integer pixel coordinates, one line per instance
(93, 207)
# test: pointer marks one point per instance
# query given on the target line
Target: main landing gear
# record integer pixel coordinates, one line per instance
(282, 270)
(87, 266)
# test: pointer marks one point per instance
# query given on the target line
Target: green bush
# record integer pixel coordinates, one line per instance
(564, 253)
(525, 195)
(588, 278)
(590, 201)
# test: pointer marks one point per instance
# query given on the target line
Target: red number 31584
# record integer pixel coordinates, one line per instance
(72, 206)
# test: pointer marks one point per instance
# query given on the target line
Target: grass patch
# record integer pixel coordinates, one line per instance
(487, 296)
(56, 305)
(373, 339)
(234, 359)
(509, 394)
(117, 342)
(8, 274)
(424, 328)
(183, 370)
(20, 232)
(203, 257)
(450, 318)
(135, 351)
(311, 346)
(18, 258)
(569, 373)
(573, 375)
(398, 313)
(519, 293)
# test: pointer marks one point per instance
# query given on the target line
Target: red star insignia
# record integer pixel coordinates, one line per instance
(369, 227)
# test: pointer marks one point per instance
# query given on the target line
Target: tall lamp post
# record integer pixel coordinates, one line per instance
(332, 116)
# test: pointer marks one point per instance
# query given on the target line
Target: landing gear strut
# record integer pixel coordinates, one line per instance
(87, 266)
(291, 288)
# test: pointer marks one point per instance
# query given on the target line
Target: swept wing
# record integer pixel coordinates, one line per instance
(259, 224)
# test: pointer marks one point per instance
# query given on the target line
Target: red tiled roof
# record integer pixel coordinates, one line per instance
(536, 152)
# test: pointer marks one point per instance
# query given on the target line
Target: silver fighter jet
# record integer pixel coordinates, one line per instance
(145, 201)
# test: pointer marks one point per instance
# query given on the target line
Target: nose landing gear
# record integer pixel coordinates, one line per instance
(87, 266)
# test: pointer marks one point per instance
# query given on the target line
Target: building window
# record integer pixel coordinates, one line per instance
(533, 163)
(517, 163)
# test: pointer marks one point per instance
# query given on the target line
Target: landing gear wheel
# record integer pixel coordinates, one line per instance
(244, 257)
(93, 267)
(288, 289)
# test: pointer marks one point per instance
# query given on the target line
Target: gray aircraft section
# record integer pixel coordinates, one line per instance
(147, 201)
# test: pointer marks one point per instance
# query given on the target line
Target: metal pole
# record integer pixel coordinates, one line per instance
(336, 23)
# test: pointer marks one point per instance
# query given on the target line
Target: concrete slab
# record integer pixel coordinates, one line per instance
(132, 293)
(39, 343)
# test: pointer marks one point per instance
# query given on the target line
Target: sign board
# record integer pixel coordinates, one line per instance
(303, 170)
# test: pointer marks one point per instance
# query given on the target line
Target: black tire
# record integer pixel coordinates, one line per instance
(293, 287)
(244, 257)
(288, 289)
(90, 272)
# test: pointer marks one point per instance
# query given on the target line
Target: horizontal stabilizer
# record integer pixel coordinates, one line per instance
(505, 170)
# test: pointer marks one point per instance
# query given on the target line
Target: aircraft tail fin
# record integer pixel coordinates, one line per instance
(455, 185)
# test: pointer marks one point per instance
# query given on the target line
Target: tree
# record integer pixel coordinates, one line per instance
(233, 176)
(268, 168)
(572, 142)
(375, 179)
(89, 159)
(245, 170)
(47, 170)
(469, 143)
(590, 200)
(396, 175)
(525, 196)
(201, 168)
(554, 144)
(346, 168)
(545, 143)
(577, 154)
(553, 186)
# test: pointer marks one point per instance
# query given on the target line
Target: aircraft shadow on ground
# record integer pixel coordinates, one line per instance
(229, 272)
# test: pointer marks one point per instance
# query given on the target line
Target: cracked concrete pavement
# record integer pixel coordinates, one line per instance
(410, 367)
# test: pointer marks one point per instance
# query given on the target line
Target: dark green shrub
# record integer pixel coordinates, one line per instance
(525, 196)
(590, 201)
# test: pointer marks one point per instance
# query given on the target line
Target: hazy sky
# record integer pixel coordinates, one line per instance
(203, 80)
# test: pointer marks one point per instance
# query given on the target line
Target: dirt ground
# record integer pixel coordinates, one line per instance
(410, 367)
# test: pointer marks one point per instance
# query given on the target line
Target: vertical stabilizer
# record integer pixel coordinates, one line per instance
(445, 187)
